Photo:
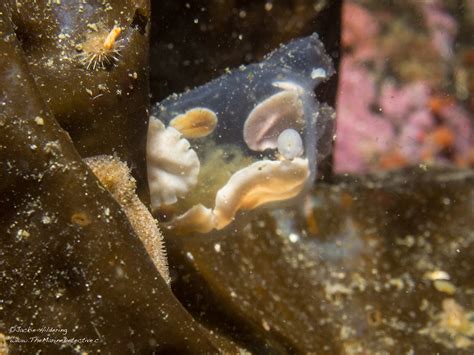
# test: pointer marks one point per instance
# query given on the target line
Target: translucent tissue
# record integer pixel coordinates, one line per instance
(243, 140)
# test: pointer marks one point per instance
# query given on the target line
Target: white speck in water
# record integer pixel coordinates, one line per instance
(265, 325)
(189, 256)
(446, 201)
(288, 85)
(294, 237)
(268, 6)
(318, 73)
(217, 247)
(436, 275)
(39, 120)
(23, 234)
(119, 273)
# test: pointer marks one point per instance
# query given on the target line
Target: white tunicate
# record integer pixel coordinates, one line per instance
(290, 144)
(173, 166)
(253, 155)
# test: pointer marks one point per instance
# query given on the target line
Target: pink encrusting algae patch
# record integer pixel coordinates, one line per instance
(385, 121)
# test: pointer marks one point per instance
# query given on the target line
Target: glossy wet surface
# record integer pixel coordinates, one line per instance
(366, 268)
(380, 264)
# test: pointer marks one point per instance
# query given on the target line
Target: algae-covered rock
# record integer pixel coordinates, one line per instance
(98, 93)
(74, 276)
(378, 264)
(354, 268)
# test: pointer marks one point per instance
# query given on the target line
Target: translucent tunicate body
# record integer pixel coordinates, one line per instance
(253, 105)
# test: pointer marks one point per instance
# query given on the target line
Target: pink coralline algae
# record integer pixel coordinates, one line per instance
(356, 144)
(384, 122)
(360, 31)
(442, 26)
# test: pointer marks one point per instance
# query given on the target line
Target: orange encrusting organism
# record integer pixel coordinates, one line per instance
(196, 123)
(112, 37)
(437, 103)
(311, 222)
(439, 139)
(443, 137)
(393, 160)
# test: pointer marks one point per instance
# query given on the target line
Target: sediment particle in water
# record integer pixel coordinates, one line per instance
(453, 327)
(436, 275)
(39, 121)
(81, 219)
(445, 286)
(454, 317)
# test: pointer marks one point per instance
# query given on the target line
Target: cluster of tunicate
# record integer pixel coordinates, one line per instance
(244, 140)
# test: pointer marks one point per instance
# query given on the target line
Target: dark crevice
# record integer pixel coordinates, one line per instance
(140, 21)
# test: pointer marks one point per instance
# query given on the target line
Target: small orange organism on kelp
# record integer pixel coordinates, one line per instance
(101, 49)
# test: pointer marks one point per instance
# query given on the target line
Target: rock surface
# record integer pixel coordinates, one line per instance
(360, 266)
(68, 258)
(372, 263)
(104, 110)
